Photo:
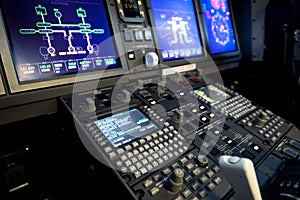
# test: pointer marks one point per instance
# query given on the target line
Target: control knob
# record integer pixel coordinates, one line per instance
(124, 96)
(261, 119)
(151, 59)
(89, 105)
(175, 181)
(140, 84)
(177, 115)
(201, 160)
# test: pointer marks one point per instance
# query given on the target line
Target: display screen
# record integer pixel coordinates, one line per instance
(131, 8)
(212, 94)
(176, 28)
(126, 126)
(219, 26)
(54, 38)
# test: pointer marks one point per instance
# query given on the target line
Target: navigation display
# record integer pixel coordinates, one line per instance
(126, 126)
(177, 29)
(219, 26)
(54, 38)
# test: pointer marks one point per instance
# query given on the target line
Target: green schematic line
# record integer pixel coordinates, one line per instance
(81, 13)
(47, 28)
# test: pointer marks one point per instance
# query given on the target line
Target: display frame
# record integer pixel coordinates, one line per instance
(122, 15)
(2, 90)
(221, 57)
(7, 56)
(181, 61)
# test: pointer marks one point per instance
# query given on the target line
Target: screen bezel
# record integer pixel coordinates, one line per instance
(181, 61)
(15, 86)
(2, 90)
(223, 55)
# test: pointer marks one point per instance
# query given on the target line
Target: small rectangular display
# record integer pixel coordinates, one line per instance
(126, 126)
(177, 29)
(219, 26)
(212, 94)
(55, 38)
(131, 8)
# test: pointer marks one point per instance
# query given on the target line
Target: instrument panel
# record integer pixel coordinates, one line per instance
(163, 135)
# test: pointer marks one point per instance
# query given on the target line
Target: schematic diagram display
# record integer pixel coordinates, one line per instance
(126, 126)
(177, 29)
(52, 38)
(219, 26)
(212, 94)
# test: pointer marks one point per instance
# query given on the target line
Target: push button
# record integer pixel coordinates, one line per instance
(148, 35)
(128, 36)
(131, 55)
(138, 35)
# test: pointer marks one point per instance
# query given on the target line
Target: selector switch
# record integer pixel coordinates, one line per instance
(175, 181)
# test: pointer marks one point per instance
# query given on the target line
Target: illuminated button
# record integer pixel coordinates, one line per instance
(127, 36)
(183, 160)
(202, 193)
(217, 180)
(189, 166)
(131, 55)
(196, 171)
(154, 191)
(210, 186)
(178, 198)
(210, 173)
(216, 168)
(137, 174)
(148, 35)
(187, 178)
(186, 193)
(166, 171)
(203, 179)
(195, 185)
(138, 35)
(135, 144)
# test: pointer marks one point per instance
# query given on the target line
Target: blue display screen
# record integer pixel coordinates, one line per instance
(219, 26)
(126, 126)
(58, 37)
(176, 28)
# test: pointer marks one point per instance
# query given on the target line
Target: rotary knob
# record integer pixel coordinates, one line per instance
(202, 160)
(125, 96)
(177, 116)
(89, 105)
(261, 119)
(151, 59)
(175, 181)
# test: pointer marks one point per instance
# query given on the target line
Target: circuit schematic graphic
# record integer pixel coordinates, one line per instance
(68, 30)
